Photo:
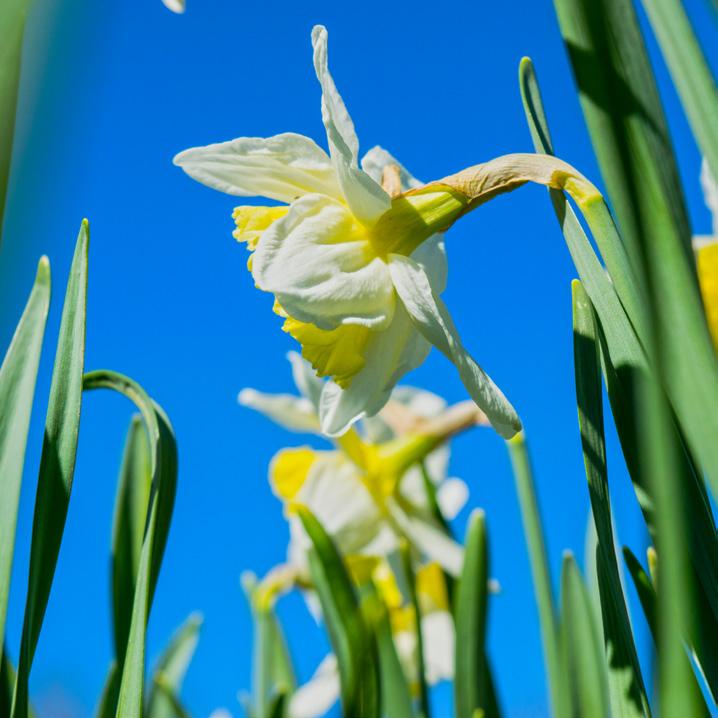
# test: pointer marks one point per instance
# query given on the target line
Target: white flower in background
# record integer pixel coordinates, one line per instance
(706, 249)
(322, 690)
(369, 491)
(354, 257)
(177, 6)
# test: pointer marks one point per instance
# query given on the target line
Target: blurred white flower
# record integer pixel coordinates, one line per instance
(177, 6)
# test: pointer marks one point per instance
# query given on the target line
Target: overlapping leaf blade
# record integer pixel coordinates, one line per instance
(18, 375)
(471, 610)
(536, 544)
(163, 453)
(171, 669)
(57, 464)
(627, 689)
(353, 642)
(628, 130)
(584, 656)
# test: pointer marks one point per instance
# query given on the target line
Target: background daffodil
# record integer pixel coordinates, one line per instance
(706, 248)
(355, 263)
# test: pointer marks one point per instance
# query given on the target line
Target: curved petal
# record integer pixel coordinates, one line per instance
(290, 412)
(452, 496)
(389, 354)
(433, 320)
(366, 199)
(309, 384)
(319, 693)
(320, 265)
(282, 167)
(374, 162)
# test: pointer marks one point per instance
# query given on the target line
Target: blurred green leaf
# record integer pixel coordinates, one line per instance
(533, 532)
(163, 454)
(171, 670)
(17, 388)
(410, 581)
(647, 596)
(584, 654)
(396, 698)
(471, 610)
(107, 705)
(133, 494)
(271, 663)
(12, 29)
(628, 130)
(690, 71)
(627, 690)
(352, 640)
(57, 464)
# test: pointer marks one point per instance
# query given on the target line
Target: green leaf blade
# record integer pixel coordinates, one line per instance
(18, 375)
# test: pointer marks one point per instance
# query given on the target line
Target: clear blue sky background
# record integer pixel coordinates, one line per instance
(112, 91)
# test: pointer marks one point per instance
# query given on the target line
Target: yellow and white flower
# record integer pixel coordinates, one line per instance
(354, 257)
(706, 249)
(370, 491)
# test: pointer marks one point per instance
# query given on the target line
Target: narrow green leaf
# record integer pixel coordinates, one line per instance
(647, 596)
(533, 532)
(410, 578)
(17, 388)
(352, 641)
(163, 455)
(133, 494)
(107, 705)
(396, 699)
(627, 690)
(471, 610)
(175, 707)
(171, 670)
(690, 71)
(57, 464)
(7, 683)
(272, 669)
(626, 371)
(628, 130)
(12, 30)
(585, 660)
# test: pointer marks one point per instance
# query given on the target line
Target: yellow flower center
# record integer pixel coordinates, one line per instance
(336, 353)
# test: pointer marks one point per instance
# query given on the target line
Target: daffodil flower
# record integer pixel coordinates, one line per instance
(315, 697)
(370, 491)
(706, 249)
(355, 256)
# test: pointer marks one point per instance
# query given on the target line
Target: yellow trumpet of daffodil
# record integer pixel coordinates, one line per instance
(706, 249)
(355, 256)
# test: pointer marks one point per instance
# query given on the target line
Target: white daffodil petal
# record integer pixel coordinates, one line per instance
(434, 321)
(437, 632)
(334, 492)
(319, 693)
(431, 255)
(291, 412)
(430, 540)
(305, 379)
(321, 267)
(377, 159)
(177, 6)
(367, 200)
(452, 496)
(389, 355)
(710, 192)
(282, 167)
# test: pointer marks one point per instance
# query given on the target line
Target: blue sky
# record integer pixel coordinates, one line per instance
(112, 91)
